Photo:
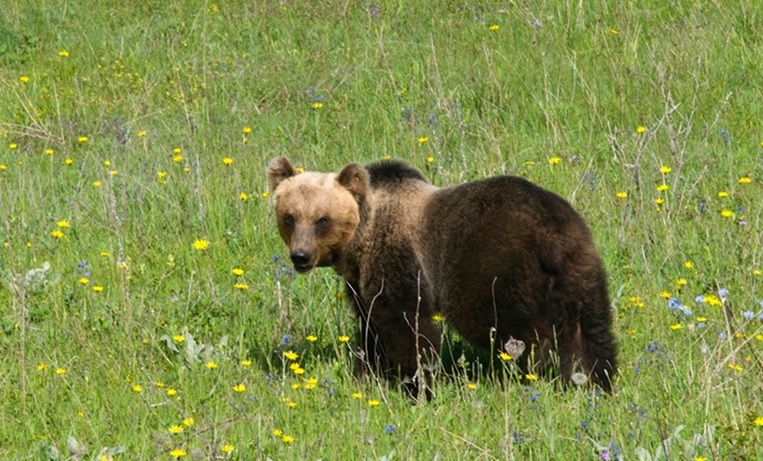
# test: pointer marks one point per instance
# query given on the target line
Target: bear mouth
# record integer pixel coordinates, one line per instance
(303, 268)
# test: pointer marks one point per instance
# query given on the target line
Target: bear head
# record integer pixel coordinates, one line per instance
(317, 213)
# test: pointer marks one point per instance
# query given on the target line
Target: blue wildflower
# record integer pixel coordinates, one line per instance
(699, 299)
(285, 340)
(390, 429)
(723, 292)
(748, 315)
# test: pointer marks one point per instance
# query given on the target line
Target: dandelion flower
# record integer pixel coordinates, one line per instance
(640, 129)
(137, 388)
(176, 429)
(211, 365)
(357, 395)
(97, 289)
(621, 195)
(343, 339)
(178, 338)
(227, 161)
(287, 438)
(689, 265)
(247, 130)
(68, 162)
(430, 160)
(24, 79)
(662, 187)
(665, 294)
(291, 355)
(494, 27)
(237, 271)
(96, 183)
(311, 338)
(84, 281)
(142, 134)
(227, 448)
(178, 453)
(82, 139)
(745, 180)
(177, 158)
(723, 194)
(13, 146)
(188, 422)
(42, 366)
(200, 244)
(239, 388)
(735, 367)
(531, 377)
(373, 403)
(317, 105)
(504, 356)
(727, 213)
(246, 363)
(665, 169)
(57, 234)
(554, 161)
(243, 196)
(423, 140)
(471, 386)
(241, 286)
(60, 371)
(758, 421)
(171, 392)
(48, 151)
(676, 326)
(63, 53)
(265, 194)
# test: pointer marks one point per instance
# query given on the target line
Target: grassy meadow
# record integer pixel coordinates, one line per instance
(148, 310)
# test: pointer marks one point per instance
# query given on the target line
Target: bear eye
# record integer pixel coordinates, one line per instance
(322, 223)
(288, 220)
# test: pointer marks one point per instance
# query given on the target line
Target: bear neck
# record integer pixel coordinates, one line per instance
(346, 262)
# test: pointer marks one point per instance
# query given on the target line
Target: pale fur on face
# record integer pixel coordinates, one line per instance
(317, 216)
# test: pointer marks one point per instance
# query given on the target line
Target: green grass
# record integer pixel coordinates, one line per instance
(164, 91)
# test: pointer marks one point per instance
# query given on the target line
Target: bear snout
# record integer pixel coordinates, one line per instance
(301, 260)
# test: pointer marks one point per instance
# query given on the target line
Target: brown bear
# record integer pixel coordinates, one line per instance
(501, 258)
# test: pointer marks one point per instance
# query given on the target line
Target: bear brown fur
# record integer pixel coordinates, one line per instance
(501, 258)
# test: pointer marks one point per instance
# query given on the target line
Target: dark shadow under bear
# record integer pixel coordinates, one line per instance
(501, 258)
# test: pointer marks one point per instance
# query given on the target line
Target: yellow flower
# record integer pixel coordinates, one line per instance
(504, 356)
(373, 403)
(227, 161)
(107, 163)
(161, 174)
(211, 365)
(665, 169)
(82, 139)
(243, 196)
(13, 146)
(291, 355)
(48, 151)
(659, 201)
(357, 395)
(681, 282)
(265, 194)
(178, 338)
(531, 377)
(298, 371)
(757, 272)
(63, 53)
(24, 79)
(96, 183)
(84, 281)
(237, 271)
(640, 129)
(277, 432)
(676, 326)
(614, 31)
(239, 388)
(758, 421)
(247, 130)
(142, 134)
(423, 140)
(621, 195)
(60, 371)
(177, 150)
(177, 158)
(745, 180)
(471, 386)
(554, 161)
(42, 366)
(311, 338)
(227, 448)
(137, 388)
(318, 105)
(689, 265)
(57, 234)
(702, 319)
(665, 294)
(343, 338)
(68, 162)
(246, 363)
(288, 438)
(171, 392)
(662, 187)
(735, 367)
(188, 422)
(177, 453)
(494, 28)
(727, 213)
(430, 159)
(241, 286)
(97, 289)
(176, 429)
(200, 244)
(723, 194)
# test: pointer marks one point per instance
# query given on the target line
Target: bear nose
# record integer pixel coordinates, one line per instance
(300, 259)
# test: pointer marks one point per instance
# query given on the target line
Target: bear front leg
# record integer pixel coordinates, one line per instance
(398, 339)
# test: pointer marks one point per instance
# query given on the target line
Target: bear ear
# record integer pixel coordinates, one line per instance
(279, 169)
(355, 179)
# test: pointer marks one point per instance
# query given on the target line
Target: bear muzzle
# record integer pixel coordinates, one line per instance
(301, 261)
